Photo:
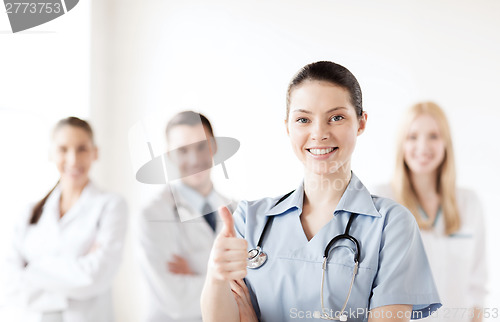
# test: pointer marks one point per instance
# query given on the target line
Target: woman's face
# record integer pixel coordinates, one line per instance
(323, 126)
(73, 153)
(424, 147)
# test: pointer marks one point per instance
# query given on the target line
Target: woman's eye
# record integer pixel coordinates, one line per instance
(337, 118)
(412, 137)
(434, 136)
(302, 120)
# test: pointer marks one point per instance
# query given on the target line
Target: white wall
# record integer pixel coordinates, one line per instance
(232, 60)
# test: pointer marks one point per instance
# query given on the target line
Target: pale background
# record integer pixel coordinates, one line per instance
(129, 65)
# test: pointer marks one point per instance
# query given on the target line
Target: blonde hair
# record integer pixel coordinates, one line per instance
(446, 186)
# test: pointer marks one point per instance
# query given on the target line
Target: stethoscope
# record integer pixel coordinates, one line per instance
(256, 258)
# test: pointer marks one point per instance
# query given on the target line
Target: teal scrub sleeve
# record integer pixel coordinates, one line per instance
(404, 275)
(239, 217)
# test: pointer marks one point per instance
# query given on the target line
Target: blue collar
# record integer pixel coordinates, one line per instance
(189, 196)
(356, 199)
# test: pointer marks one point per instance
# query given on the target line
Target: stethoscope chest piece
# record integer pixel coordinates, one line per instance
(256, 258)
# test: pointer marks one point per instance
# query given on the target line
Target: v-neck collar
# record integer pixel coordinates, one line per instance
(52, 205)
(438, 214)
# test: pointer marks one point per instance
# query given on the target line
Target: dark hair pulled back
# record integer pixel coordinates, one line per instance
(328, 71)
(69, 121)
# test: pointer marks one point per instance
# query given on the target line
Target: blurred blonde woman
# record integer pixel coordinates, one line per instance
(450, 218)
(67, 246)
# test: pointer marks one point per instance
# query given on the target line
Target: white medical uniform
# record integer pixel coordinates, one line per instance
(458, 262)
(393, 267)
(173, 223)
(52, 270)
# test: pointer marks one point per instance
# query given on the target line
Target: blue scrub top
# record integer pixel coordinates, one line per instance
(393, 266)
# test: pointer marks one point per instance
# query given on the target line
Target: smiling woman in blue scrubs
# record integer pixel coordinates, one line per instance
(393, 281)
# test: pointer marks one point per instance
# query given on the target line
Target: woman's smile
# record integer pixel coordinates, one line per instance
(322, 153)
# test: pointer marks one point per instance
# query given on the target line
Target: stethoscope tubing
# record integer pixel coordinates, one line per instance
(257, 258)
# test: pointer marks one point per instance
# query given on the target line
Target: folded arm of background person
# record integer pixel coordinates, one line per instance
(47, 283)
(177, 294)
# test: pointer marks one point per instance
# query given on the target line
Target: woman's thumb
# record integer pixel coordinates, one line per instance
(227, 219)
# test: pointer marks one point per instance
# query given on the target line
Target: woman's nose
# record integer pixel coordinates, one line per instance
(423, 145)
(71, 157)
(320, 132)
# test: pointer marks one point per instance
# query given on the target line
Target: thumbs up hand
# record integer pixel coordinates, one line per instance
(228, 259)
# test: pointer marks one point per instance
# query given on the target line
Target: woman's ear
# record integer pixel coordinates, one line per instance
(362, 123)
(286, 127)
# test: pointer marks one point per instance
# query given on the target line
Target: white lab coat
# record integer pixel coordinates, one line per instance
(174, 297)
(62, 274)
(458, 262)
